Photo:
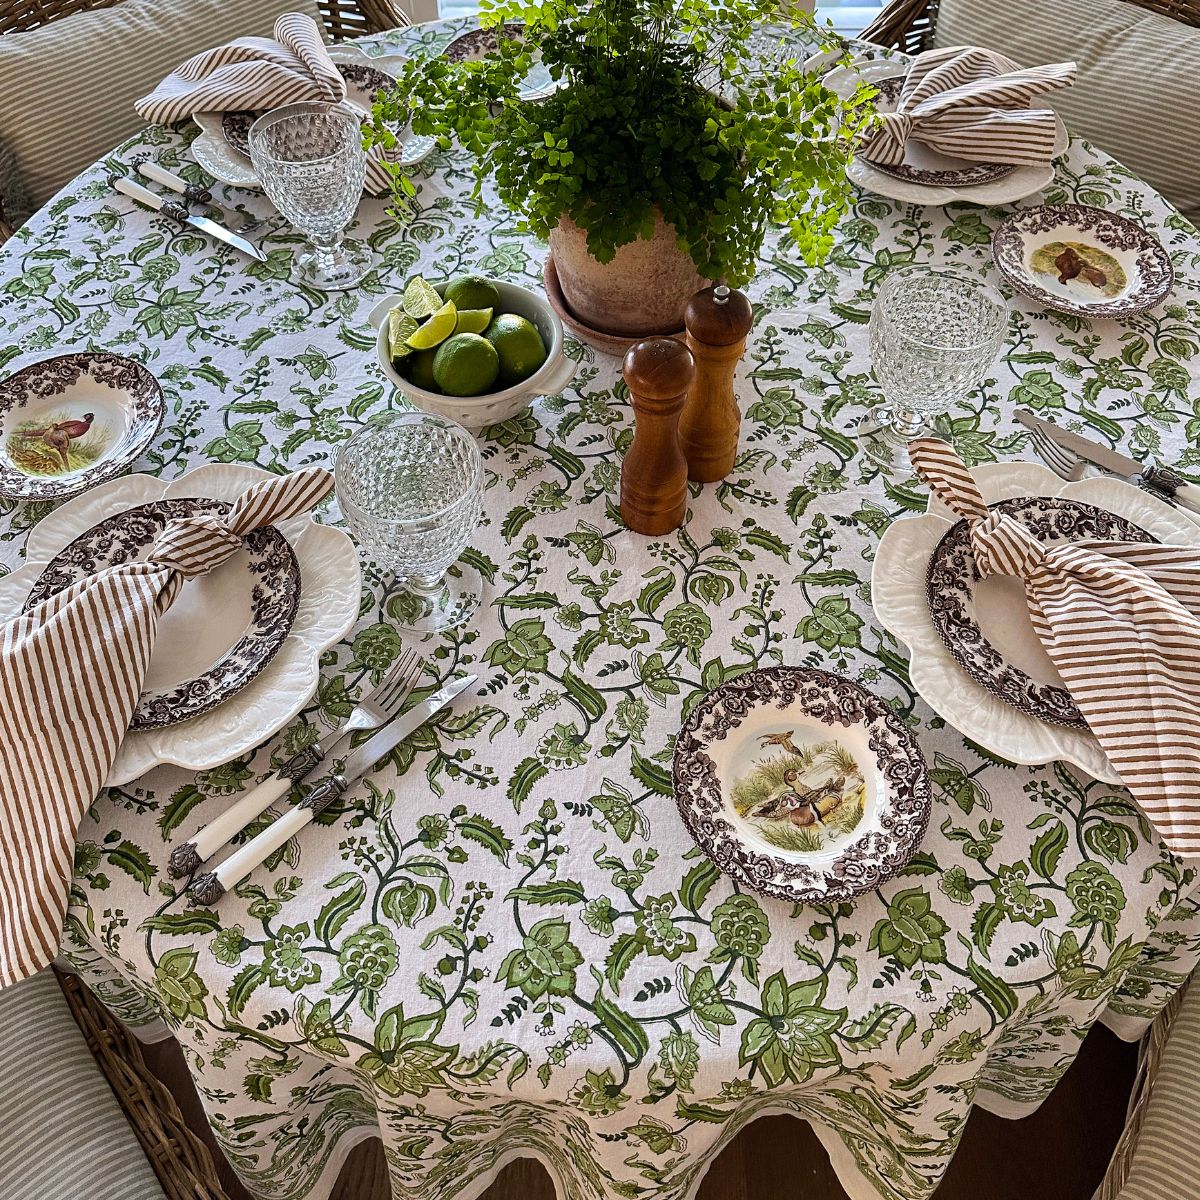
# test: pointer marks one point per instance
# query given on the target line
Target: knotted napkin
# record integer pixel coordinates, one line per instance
(970, 103)
(1121, 623)
(71, 672)
(257, 74)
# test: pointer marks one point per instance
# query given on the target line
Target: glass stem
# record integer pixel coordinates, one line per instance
(327, 252)
(907, 422)
(426, 585)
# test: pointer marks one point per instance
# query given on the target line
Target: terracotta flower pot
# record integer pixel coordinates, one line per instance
(643, 291)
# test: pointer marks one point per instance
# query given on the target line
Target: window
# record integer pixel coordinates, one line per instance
(849, 16)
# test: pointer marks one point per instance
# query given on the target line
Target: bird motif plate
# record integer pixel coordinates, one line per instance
(1086, 261)
(70, 422)
(224, 628)
(801, 784)
(974, 617)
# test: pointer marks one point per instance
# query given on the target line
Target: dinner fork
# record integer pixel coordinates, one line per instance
(1062, 462)
(376, 708)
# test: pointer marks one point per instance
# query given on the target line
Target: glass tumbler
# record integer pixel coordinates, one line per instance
(310, 160)
(933, 334)
(410, 486)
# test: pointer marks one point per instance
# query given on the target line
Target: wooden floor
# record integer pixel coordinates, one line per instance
(1059, 1153)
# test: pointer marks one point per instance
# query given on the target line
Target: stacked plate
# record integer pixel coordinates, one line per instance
(236, 655)
(926, 176)
(223, 151)
(975, 658)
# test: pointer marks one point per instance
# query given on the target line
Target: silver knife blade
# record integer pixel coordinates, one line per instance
(1093, 452)
(214, 229)
(361, 760)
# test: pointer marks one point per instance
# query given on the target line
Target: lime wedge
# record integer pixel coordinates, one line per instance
(400, 328)
(437, 329)
(473, 320)
(420, 299)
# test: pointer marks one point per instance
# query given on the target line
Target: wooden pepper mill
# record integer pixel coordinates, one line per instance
(659, 372)
(718, 320)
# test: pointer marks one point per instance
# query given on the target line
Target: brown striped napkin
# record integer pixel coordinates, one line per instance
(1121, 623)
(71, 671)
(970, 103)
(256, 74)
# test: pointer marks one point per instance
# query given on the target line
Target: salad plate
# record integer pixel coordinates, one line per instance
(330, 590)
(801, 784)
(900, 598)
(1077, 259)
(476, 43)
(70, 422)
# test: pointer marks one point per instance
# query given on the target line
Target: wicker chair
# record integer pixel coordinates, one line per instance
(908, 24)
(343, 18)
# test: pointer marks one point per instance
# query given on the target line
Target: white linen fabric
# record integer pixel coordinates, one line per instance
(971, 103)
(67, 89)
(71, 671)
(63, 1135)
(1136, 96)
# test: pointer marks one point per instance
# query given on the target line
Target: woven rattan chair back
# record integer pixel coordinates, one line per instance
(908, 24)
(343, 18)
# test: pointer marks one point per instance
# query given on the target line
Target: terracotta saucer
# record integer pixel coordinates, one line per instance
(598, 339)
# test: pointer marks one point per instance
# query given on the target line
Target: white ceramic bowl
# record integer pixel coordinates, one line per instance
(477, 412)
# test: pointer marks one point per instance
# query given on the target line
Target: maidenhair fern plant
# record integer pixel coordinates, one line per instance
(662, 105)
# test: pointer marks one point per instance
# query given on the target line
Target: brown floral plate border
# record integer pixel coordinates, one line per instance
(123, 403)
(967, 175)
(875, 852)
(1145, 261)
(368, 80)
(274, 599)
(952, 577)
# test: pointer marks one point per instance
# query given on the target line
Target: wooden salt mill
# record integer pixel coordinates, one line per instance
(718, 320)
(659, 372)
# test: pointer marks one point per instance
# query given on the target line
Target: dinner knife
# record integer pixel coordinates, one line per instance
(1158, 479)
(212, 885)
(177, 212)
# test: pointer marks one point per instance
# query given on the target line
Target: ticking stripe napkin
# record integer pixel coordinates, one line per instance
(71, 671)
(257, 74)
(970, 103)
(1121, 623)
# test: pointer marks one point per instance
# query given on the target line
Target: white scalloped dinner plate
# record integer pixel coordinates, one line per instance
(898, 591)
(328, 607)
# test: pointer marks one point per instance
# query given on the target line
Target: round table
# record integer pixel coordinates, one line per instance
(505, 944)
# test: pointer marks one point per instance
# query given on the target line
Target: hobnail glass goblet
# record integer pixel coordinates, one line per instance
(411, 489)
(933, 333)
(310, 160)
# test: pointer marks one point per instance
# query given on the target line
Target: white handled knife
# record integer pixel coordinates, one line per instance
(208, 888)
(177, 212)
(1162, 480)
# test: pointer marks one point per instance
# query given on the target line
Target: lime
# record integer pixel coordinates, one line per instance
(420, 299)
(466, 365)
(473, 291)
(400, 328)
(473, 320)
(420, 370)
(519, 346)
(437, 329)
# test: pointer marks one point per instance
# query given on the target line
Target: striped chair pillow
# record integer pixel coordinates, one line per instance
(62, 1134)
(1136, 96)
(67, 89)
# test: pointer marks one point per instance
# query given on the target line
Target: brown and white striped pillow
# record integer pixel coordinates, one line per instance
(67, 89)
(1136, 95)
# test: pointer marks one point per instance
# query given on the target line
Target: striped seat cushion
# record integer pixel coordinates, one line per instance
(62, 1133)
(1136, 96)
(67, 89)
(1165, 1161)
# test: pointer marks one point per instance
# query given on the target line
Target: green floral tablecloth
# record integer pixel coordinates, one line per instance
(504, 943)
